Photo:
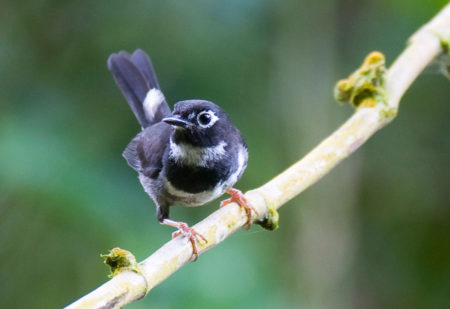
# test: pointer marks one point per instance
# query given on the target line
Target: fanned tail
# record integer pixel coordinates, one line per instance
(136, 78)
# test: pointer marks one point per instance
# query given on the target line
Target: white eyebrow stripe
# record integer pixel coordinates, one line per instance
(152, 101)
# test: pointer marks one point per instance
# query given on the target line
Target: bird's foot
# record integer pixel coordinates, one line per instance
(188, 232)
(239, 198)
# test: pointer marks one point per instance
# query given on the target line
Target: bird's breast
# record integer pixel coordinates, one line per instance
(195, 179)
(195, 169)
(193, 185)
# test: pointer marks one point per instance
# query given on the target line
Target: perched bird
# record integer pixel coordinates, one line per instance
(186, 157)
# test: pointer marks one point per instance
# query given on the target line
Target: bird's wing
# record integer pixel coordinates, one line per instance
(145, 152)
(136, 78)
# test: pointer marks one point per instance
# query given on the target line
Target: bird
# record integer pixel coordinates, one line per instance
(188, 156)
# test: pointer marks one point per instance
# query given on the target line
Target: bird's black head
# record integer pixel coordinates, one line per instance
(200, 123)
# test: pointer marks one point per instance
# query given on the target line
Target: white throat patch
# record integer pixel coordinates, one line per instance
(197, 156)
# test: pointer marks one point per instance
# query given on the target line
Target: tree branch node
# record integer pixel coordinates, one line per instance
(365, 86)
(269, 220)
(120, 260)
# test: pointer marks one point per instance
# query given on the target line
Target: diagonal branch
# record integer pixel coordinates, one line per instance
(373, 90)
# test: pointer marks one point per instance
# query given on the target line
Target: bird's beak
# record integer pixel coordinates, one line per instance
(176, 121)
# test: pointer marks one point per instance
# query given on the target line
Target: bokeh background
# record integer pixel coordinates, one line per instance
(374, 233)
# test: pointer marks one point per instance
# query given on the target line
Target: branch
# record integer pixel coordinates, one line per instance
(373, 90)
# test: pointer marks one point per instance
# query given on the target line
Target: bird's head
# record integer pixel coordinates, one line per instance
(200, 123)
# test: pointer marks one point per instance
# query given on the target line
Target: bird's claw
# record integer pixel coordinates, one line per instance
(238, 197)
(191, 234)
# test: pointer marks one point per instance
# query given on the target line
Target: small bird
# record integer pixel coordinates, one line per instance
(186, 157)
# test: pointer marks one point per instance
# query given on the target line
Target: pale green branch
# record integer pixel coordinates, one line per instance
(374, 110)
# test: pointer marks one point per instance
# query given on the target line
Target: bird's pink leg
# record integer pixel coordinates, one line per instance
(239, 198)
(185, 230)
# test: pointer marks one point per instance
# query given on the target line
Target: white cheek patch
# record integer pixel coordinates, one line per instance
(196, 156)
(152, 101)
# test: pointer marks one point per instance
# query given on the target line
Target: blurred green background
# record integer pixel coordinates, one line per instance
(374, 233)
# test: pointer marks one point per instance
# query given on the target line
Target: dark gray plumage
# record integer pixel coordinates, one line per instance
(188, 157)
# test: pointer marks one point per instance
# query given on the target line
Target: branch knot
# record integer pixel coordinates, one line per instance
(120, 260)
(365, 86)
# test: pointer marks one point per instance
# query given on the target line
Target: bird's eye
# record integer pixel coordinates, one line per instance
(206, 119)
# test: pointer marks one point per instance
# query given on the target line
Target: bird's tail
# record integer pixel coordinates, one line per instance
(136, 78)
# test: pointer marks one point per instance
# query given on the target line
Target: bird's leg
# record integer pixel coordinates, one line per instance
(239, 198)
(185, 230)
